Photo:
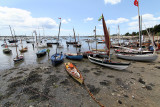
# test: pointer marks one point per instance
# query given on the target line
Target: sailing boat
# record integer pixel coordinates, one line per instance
(74, 42)
(41, 52)
(107, 62)
(57, 58)
(94, 51)
(13, 40)
(6, 50)
(30, 41)
(78, 44)
(18, 57)
(139, 56)
(74, 56)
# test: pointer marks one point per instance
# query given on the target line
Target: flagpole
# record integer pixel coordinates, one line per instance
(140, 45)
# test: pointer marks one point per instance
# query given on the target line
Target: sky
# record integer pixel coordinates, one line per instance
(25, 16)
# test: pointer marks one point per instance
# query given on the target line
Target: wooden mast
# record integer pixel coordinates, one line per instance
(58, 34)
(11, 32)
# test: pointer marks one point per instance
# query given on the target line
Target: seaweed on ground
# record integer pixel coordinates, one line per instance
(92, 89)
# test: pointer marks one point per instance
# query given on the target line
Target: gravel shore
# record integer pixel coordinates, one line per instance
(43, 85)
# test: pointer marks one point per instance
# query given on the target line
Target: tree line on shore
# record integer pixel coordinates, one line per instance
(153, 30)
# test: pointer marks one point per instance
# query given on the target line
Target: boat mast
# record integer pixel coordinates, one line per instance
(11, 32)
(95, 38)
(75, 39)
(15, 43)
(139, 21)
(58, 34)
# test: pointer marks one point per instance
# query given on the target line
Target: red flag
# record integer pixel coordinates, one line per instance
(136, 3)
(59, 18)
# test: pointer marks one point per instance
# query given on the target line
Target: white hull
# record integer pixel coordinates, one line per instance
(42, 45)
(143, 57)
(120, 66)
(12, 45)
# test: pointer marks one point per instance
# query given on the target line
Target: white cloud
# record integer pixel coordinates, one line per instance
(64, 21)
(69, 20)
(21, 19)
(119, 20)
(146, 17)
(148, 20)
(112, 1)
(88, 19)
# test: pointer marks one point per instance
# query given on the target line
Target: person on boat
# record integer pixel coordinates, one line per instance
(61, 53)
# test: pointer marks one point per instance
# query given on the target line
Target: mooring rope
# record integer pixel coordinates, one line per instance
(101, 105)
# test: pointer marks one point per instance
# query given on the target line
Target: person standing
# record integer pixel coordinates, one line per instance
(33, 46)
(48, 50)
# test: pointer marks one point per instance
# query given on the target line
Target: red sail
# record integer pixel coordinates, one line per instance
(136, 3)
(106, 35)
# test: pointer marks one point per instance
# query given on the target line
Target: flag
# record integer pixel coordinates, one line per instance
(94, 30)
(100, 18)
(136, 3)
(59, 18)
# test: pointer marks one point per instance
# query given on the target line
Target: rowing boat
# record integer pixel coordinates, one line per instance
(74, 72)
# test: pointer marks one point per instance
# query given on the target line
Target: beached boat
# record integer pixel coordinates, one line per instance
(149, 57)
(140, 57)
(57, 59)
(29, 41)
(107, 61)
(74, 56)
(71, 42)
(24, 49)
(41, 53)
(74, 72)
(18, 58)
(13, 41)
(7, 51)
(12, 45)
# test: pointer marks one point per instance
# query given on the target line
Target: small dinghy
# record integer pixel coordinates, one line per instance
(74, 72)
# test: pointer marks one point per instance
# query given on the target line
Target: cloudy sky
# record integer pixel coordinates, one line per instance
(24, 16)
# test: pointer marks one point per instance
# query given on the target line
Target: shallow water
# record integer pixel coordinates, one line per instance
(6, 60)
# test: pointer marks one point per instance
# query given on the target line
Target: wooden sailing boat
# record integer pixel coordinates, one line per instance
(138, 57)
(74, 72)
(107, 62)
(13, 40)
(6, 50)
(74, 56)
(18, 57)
(57, 58)
(42, 52)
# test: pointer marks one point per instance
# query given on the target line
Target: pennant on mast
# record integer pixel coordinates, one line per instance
(136, 3)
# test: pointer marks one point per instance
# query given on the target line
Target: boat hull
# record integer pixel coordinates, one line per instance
(74, 57)
(113, 65)
(139, 57)
(80, 79)
(41, 53)
(20, 58)
(7, 51)
(57, 59)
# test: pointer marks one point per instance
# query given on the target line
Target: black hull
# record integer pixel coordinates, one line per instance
(41, 54)
(13, 41)
(71, 42)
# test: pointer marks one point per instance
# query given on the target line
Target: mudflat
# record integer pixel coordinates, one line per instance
(43, 85)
